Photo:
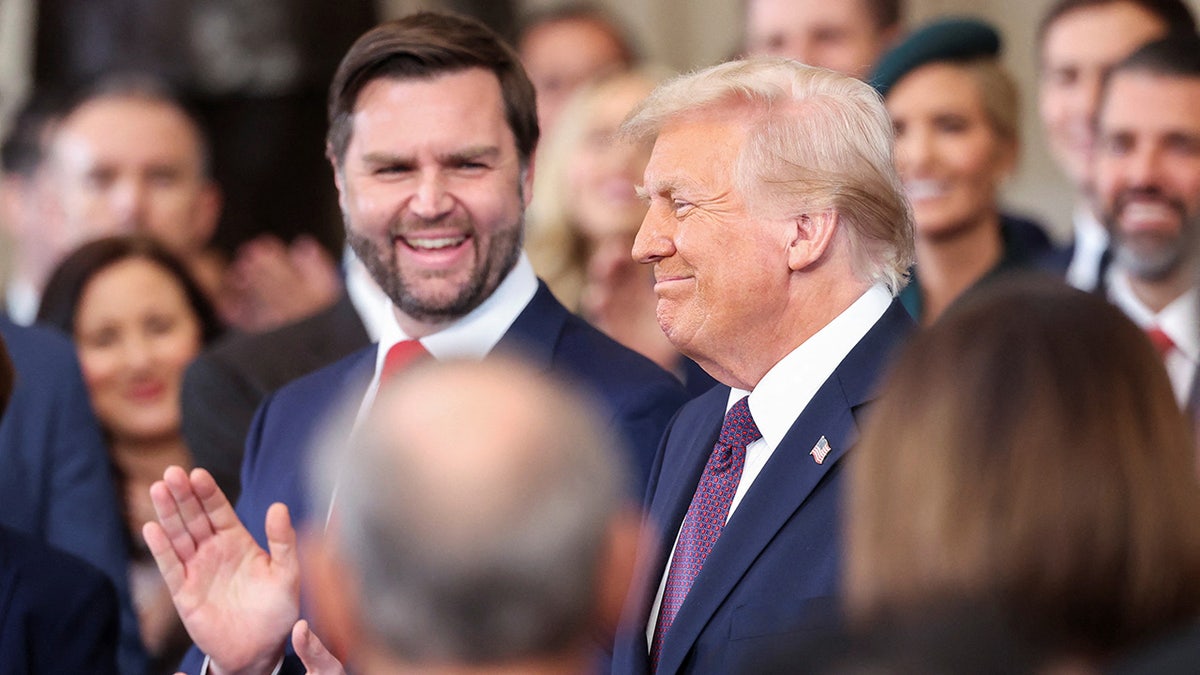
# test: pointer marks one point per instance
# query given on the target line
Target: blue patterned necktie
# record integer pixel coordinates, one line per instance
(705, 516)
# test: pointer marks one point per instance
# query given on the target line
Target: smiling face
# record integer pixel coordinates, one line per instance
(1078, 50)
(433, 193)
(841, 36)
(721, 273)
(948, 153)
(603, 170)
(1148, 171)
(127, 164)
(136, 333)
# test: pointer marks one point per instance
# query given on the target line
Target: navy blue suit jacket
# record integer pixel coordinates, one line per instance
(58, 614)
(640, 398)
(778, 558)
(55, 479)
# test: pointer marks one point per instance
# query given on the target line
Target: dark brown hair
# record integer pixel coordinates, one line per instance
(584, 12)
(60, 301)
(1175, 15)
(424, 45)
(1028, 453)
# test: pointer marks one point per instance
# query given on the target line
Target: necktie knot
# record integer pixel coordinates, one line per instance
(1161, 341)
(739, 428)
(400, 356)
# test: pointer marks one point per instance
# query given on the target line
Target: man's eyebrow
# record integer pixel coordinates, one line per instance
(382, 158)
(666, 186)
(471, 153)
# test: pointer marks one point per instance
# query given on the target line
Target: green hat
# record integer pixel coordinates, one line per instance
(955, 39)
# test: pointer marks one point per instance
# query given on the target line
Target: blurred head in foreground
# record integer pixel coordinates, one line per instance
(479, 520)
(1028, 454)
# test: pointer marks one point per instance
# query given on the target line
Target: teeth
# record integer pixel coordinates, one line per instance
(1148, 211)
(924, 189)
(433, 244)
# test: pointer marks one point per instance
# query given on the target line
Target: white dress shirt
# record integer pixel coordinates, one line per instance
(783, 393)
(471, 337)
(1091, 241)
(370, 302)
(21, 302)
(1180, 320)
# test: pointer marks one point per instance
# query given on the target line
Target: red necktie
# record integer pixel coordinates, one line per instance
(1161, 341)
(705, 516)
(400, 356)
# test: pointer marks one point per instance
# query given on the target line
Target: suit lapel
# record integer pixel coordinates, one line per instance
(689, 441)
(697, 436)
(785, 482)
(535, 333)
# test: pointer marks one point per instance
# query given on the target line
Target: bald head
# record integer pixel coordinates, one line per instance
(484, 444)
(474, 505)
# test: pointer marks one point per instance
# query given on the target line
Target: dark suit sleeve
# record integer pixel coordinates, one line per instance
(642, 418)
(84, 517)
(51, 443)
(58, 614)
(218, 405)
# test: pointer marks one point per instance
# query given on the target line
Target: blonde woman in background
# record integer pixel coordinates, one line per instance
(585, 214)
(956, 112)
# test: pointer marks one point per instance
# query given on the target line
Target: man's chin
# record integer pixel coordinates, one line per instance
(1151, 261)
(436, 305)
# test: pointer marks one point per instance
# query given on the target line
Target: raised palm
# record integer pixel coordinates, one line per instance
(237, 601)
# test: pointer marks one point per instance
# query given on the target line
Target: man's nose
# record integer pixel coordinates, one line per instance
(431, 200)
(128, 203)
(654, 240)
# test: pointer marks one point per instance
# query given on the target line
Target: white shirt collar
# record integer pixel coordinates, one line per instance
(21, 302)
(791, 383)
(1091, 240)
(1180, 319)
(475, 334)
(369, 300)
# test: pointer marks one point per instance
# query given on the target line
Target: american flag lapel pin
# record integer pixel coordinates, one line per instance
(820, 451)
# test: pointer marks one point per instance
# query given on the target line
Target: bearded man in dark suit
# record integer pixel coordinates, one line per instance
(432, 135)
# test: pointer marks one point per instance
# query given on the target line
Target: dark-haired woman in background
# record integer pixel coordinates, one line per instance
(137, 319)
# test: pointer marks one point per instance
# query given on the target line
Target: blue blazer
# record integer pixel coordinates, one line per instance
(58, 614)
(55, 478)
(639, 396)
(778, 559)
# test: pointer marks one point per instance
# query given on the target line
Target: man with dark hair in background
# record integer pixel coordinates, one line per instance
(1147, 183)
(1078, 41)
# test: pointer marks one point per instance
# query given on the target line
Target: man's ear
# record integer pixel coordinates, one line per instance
(811, 234)
(336, 165)
(333, 592)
